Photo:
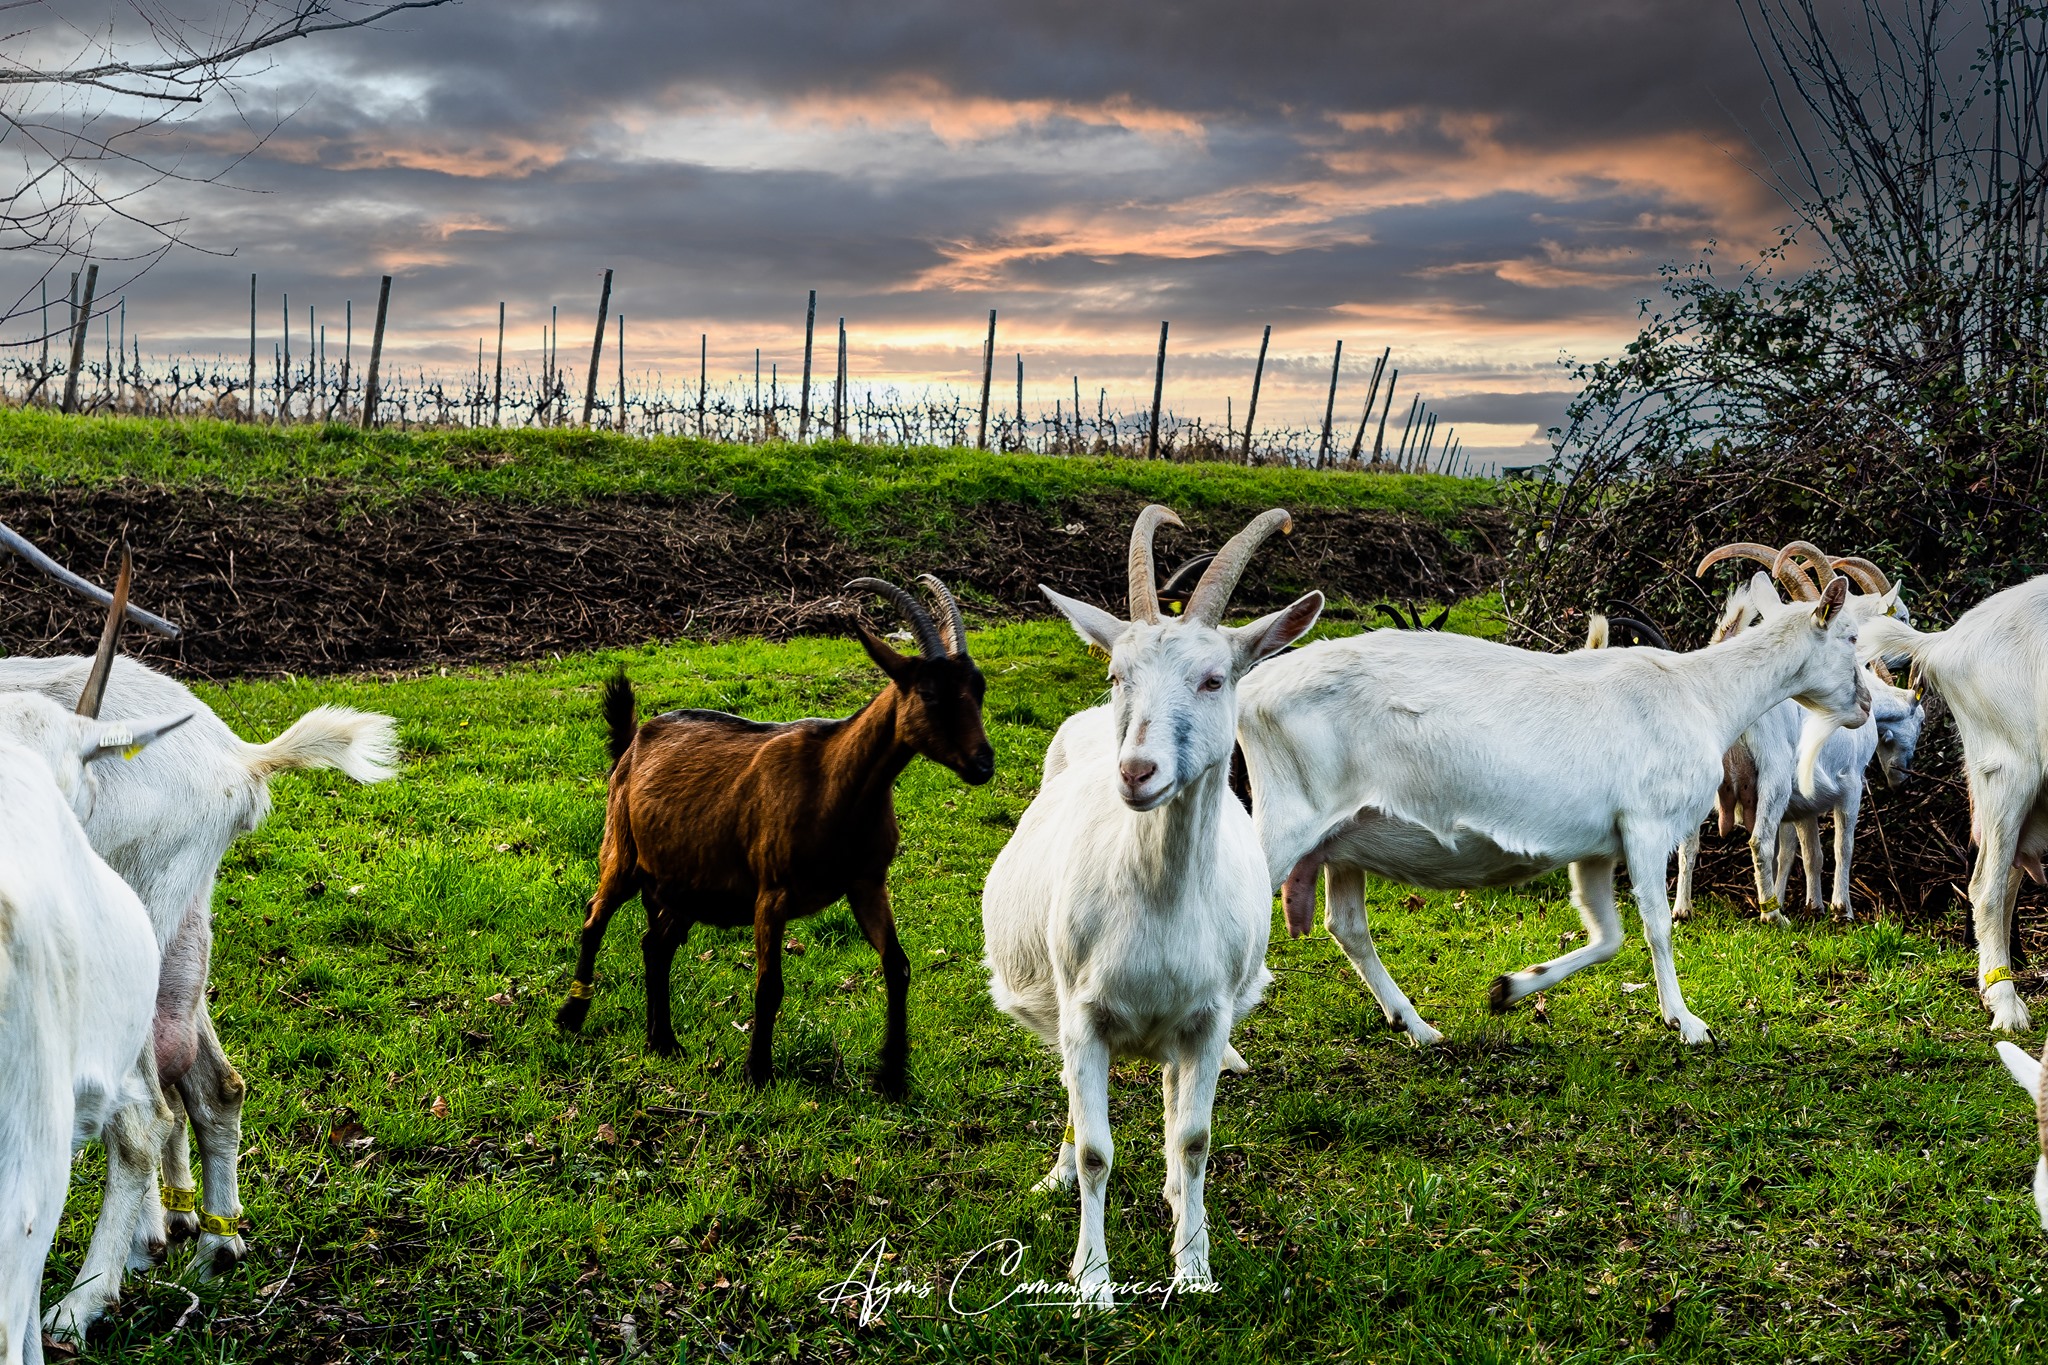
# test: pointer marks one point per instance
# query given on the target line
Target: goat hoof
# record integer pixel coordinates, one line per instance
(569, 1018)
(760, 1074)
(663, 1046)
(891, 1085)
(222, 1257)
(1497, 997)
(181, 1227)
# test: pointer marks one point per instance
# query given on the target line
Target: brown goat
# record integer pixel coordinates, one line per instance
(714, 819)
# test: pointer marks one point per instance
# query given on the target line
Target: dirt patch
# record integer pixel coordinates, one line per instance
(320, 585)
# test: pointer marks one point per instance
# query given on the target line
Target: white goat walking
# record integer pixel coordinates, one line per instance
(1991, 667)
(78, 973)
(1449, 762)
(163, 822)
(1129, 913)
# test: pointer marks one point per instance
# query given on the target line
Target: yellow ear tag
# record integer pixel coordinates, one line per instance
(131, 751)
(1174, 607)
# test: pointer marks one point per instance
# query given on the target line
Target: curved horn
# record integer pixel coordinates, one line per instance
(1867, 575)
(1644, 631)
(1737, 549)
(12, 540)
(1884, 675)
(1791, 569)
(953, 628)
(110, 641)
(928, 642)
(1212, 594)
(1144, 592)
(1392, 613)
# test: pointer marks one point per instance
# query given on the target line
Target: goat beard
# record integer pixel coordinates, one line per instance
(1298, 896)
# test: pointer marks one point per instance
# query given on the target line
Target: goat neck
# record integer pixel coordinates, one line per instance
(1746, 675)
(864, 755)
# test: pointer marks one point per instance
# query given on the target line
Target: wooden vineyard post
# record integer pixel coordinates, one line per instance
(1023, 439)
(250, 415)
(621, 422)
(604, 304)
(988, 371)
(703, 371)
(1379, 368)
(376, 354)
(1251, 412)
(78, 327)
(1379, 440)
(498, 370)
(839, 388)
(1330, 408)
(803, 420)
(1158, 388)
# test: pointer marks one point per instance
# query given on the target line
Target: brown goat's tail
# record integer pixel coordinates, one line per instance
(619, 717)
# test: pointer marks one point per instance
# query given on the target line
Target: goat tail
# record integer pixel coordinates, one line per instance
(362, 744)
(620, 718)
(1888, 637)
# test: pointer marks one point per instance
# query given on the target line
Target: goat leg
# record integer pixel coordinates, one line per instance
(870, 902)
(771, 913)
(665, 933)
(615, 886)
(212, 1092)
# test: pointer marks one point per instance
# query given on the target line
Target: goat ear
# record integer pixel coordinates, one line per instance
(1888, 605)
(1092, 624)
(1270, 634)
(2023, 1067)
(886, 659)
(105, 738)
(1831, 599)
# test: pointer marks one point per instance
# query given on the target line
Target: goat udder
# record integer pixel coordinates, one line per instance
(1298, 896)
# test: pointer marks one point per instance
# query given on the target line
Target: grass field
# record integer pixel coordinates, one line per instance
(433, 1173)
(850, 485)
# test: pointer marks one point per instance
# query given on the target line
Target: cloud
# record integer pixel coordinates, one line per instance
(1480, 186)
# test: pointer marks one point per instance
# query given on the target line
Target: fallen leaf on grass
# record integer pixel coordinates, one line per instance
(439, 1108)
(501, 998)
(793, 947)
(1631, 987)
(607, 1134)
(350, 1135)
(707, 955)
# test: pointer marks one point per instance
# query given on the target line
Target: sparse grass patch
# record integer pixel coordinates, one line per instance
(1843, 1176)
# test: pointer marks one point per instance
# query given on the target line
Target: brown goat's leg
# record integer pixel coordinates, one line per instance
(615, 886)
(666, 931)
(771, 914)
(870, 902)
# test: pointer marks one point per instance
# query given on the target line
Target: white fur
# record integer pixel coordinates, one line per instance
(1991, 667)
(78, 973)
(1450, 762)
(2027, 1072)
(1129, 913)
(1806, 768)
(163, 822)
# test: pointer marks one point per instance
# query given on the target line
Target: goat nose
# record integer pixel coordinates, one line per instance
(1138, 772)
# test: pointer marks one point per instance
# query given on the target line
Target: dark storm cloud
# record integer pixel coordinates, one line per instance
(1443, 179)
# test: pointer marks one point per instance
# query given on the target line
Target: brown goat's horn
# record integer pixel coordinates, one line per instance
(1792, 566)
(1219, 580)
(952, 626)
(110, 639)
(12, 540)
(928, 642)
(1884, 675)
(1144, 591)
(1867, 575)
(1737, 549)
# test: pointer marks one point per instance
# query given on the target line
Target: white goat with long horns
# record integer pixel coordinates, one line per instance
(1787, 769)
(163, 822)
(1449, 762)
(1129, 913)
(1991, 668)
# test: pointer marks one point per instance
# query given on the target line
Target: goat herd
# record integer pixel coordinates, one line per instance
(1127, 917)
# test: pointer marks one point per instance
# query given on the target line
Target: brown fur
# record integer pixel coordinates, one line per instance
(1735, 802)
(713, 819)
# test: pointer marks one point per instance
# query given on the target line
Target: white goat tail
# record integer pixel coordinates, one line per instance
(361, 744)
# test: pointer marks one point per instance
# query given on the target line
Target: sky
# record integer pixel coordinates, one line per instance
(1483, 186)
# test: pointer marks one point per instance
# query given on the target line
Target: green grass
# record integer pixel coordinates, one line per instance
(1844, 1176)
(851, 486)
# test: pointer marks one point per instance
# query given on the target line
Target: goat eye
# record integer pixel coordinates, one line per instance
(1212, 684)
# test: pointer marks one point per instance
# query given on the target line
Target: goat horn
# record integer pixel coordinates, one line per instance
(110, 639)
(928, 642)
(1144, 590)
(1737, 549)
(1884, 674)
(1868, 576)
(953, 628)
(1792, 565)
(1219, 580)
(12, 540)
(1644, 631)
